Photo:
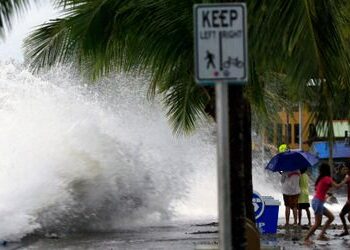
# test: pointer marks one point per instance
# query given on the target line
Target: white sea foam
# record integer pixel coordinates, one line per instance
(77, 156)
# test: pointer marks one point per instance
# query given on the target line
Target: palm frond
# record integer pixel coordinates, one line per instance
(186, 105)
(299, 40)
(8, 8)
(104, 36)
(50, 44)
(307, 42)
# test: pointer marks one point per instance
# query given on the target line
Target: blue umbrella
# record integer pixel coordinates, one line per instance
(291, 160)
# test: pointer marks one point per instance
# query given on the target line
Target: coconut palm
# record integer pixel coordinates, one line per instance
(307, 48)
(314, 44)
(294, 40)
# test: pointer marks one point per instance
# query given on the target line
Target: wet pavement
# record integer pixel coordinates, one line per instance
(292, 238)
(175, 237)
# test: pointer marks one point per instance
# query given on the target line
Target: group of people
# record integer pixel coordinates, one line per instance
(293, 182)
(296, 198)
(295, 189)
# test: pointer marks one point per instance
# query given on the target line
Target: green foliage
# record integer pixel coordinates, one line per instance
(152, 37)
(290, 42)
(304, 40)
(8, 8)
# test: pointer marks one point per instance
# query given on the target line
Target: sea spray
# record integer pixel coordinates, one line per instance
(78, 156)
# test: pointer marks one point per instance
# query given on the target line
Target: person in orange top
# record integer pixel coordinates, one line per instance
(323, 183)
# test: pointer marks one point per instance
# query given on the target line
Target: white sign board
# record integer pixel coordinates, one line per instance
(220, 33)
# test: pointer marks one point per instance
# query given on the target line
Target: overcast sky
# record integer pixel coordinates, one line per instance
(11, 47)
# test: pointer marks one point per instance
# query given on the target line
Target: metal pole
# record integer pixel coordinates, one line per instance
(223, 154)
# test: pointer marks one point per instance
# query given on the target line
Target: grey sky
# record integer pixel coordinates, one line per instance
(11, 47)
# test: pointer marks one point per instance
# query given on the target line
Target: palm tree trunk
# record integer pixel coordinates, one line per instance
(237, 151)
(240, 166)
(248, 183)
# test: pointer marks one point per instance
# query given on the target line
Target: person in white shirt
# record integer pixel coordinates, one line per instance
(291, 191)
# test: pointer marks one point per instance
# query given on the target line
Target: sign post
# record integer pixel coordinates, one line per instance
(221, 43)
(221, 58)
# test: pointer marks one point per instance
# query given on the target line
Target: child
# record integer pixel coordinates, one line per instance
(323, 183)
(303, 200)
(346, 209)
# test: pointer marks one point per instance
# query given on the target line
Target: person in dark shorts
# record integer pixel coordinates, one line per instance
(346, 209)
(303, 200)
(290, 191)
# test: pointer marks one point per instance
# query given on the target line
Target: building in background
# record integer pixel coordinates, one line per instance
(288, 130)
(293, 125)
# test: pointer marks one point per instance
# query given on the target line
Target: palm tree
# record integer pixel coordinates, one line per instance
(315, 45)
(296, 40)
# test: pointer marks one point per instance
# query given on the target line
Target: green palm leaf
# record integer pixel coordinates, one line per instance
(307, 42)
(104, 36)
(8, 8)
(295, 40)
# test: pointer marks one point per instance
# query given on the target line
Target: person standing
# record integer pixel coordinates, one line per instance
(346, 208)
(323, 183)
(303, 199)
(290, 191)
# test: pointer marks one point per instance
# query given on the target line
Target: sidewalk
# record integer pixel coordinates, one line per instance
(292, 238)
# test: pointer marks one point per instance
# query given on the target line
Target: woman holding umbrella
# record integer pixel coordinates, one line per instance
(323, 183)
(288, 164)
(290, 188)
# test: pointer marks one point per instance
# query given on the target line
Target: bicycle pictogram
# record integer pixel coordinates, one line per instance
(232, 62)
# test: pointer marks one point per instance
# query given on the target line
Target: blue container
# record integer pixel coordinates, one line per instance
(267, 222)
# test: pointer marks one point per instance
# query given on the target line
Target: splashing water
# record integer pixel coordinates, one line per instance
(95, 157)
(99, 157)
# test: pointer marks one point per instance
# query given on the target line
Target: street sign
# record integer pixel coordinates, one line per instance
(220, 33)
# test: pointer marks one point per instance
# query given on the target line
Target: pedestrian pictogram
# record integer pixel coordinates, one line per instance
(210, 58)
(220, 43)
